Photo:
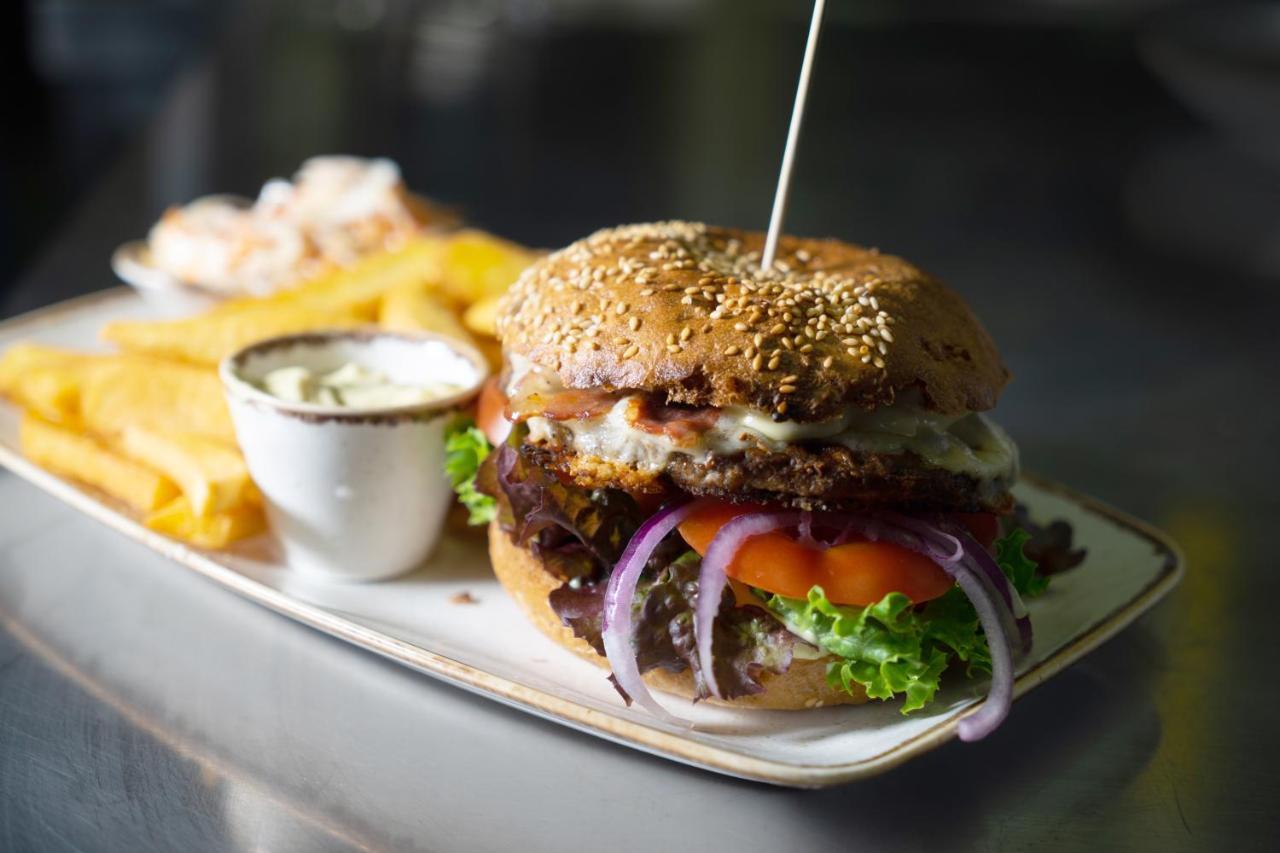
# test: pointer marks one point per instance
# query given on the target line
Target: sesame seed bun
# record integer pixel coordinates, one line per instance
(804, 684)
(682, 310)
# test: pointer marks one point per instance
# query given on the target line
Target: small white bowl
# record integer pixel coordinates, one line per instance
(352, 494)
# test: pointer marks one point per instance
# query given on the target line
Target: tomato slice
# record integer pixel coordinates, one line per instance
(491, 412)
(857, 572)
(984, 526)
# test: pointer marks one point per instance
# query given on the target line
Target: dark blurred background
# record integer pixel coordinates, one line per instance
(1100, 178)
(546, 118)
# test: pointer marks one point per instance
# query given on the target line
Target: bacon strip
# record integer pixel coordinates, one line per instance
(570, 404)
(679, 423)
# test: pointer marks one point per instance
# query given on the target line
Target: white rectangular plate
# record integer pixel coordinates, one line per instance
(487, 647)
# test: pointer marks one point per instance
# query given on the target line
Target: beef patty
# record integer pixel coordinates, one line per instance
(812, 477)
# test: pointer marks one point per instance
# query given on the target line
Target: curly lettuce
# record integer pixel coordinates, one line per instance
(465, 448)
(884, 648)
(1021, 570)
(896, 648)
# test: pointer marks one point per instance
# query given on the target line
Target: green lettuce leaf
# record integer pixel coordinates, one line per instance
(893, 647)
(465, 447)
(1017, 566)
(885, 648)
(951, 622)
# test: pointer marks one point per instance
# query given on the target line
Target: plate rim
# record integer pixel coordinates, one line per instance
(567, 712)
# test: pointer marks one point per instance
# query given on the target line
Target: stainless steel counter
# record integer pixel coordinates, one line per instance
(141, 708)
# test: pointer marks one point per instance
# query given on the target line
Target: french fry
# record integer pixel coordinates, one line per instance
(162, 396)
(214, 531)
(26, 356)
(475, 265)
(207, 339)
(42, 379)
(482, 317)
(78, 457)
(212, 475)
(412, 309)
(358, 287)
(106, 393)
(50, 392)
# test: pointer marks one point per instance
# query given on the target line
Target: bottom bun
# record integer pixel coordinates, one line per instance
(803, 686)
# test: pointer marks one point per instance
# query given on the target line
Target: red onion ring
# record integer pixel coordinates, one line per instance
(997, 580)
(931, 535)
(999, 700)
(714, 575)
(616, 623)
(989, 570)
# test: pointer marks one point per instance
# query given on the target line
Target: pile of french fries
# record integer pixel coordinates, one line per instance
(148, 426)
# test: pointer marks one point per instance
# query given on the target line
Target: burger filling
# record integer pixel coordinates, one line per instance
(734, 591)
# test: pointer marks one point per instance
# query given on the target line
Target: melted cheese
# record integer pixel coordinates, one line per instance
(970, 444)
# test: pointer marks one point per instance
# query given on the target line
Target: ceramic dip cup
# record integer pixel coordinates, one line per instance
(352, 492)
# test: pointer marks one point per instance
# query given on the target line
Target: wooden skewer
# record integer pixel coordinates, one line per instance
(793, 138)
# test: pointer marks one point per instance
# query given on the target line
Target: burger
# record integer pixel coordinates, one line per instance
(766, 488)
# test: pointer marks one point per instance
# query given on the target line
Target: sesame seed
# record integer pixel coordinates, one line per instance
(827, 362)
(731, 350)
(879, 362)
(757, 362)
(800, 307)
(630, 351)
(674, 348)
(786, 389)
(617, 342)
(790, 378)
(781, 408)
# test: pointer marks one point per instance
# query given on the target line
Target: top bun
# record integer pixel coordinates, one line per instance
(682, 310)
